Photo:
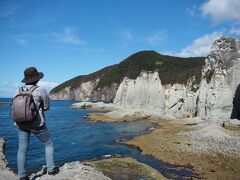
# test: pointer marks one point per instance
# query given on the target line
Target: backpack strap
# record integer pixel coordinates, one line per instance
(20, 90)
(33, 88)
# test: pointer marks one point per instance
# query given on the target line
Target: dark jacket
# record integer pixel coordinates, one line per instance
(236, 105)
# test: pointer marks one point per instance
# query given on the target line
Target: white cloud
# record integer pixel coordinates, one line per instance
(21, 41)
(8, 9)
(222, 10)
(192, 11)
(8, 89)
(68, 36)
(235, 30)
(157, 37)
(127, 35)
(47, 85)
(126, 38)
(200, 46)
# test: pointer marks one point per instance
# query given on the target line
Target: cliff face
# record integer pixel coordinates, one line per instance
(220, 78)
(87, 91)
(180, 100)
(211, 98)
(86, 88)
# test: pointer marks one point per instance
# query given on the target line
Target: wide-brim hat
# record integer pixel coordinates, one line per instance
(31, 74)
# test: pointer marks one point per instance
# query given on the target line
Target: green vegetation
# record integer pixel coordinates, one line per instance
(209, 75)
(74, 82)
(171, 70)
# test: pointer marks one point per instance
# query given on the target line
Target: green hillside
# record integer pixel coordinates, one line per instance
(171, 70)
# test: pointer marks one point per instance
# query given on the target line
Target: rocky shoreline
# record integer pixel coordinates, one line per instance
(213, 154)
(125, 168)
(212, 150)
(105, 168)
(70, 171)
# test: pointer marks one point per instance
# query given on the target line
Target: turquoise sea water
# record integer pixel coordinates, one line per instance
(76, 138)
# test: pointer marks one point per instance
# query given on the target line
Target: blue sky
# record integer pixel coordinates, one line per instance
(67, 38)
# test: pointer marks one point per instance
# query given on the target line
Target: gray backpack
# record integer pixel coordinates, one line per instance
(23, 106)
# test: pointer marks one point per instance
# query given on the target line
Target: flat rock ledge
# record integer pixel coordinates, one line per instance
(5, 172)
(94, 106)
(125, 168)
(72, 171)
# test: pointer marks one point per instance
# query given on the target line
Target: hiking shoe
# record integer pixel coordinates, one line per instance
(54, 171)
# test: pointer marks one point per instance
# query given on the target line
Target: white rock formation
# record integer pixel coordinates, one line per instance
(180, 100)
(147, 93)
(93, 105)
(144, 92)
(220, 78)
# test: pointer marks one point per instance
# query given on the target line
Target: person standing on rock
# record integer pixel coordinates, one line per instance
(37, 126)
(236, 105)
